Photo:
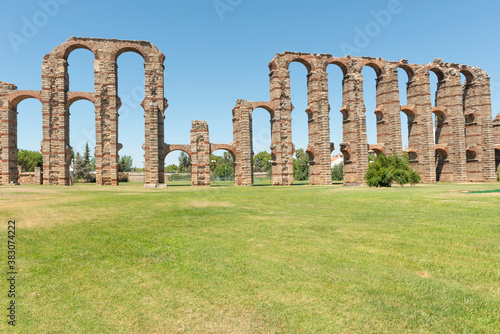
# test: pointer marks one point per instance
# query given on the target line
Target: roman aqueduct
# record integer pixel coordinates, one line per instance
(464, 145)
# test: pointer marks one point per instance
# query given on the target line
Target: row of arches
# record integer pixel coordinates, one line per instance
(57, 99)
(457, 117)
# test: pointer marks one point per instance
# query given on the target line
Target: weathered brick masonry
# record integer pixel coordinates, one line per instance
(463, 146)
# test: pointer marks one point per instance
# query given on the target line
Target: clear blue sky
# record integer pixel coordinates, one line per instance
(215, 56)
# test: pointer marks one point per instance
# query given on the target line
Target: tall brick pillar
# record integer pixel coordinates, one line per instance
(281, 127)
(154, 105)
(242, 139)
(479, 128)
(8, 136)
(106, 108)
(420, 128)
(449, 96)
(355, 145)
(200, 154)
(319, 128)
(55, 146)
(388, 112)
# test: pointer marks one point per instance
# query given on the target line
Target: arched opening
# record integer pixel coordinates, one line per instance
(261, 146)
(222, 167)
(441, 159)
(408, 119)
(81, 134)
(434, 81)
(131, 124)
(81, 70)
(403, 80)
(335, 99)
(177, 168)
(29, 125)
(439, 121)
(370, 101)
(300, 115)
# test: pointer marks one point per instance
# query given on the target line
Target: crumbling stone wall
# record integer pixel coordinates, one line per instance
(30, 177)
(463, 148)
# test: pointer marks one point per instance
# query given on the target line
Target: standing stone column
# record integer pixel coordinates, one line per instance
(479, 129)
(106, 104)
(154, 105)
(242, 139)
(388, 112)
(355, 144)
(55, 148)
(319, 127)
(200, 154)
(421, 138)
(8, 136)
(449, 96)
(281, 127)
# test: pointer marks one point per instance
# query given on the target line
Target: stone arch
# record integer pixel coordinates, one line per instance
(410, 113)
(18, 96)
(226, 147)
(77, 96)
(378, 149)
(439, 73)
(72, 45)
(171, 148)
(408, 69)
(340, 62)
(375, 65)
(469, 76)
(264, 105)
(122, 48)
(301, 60)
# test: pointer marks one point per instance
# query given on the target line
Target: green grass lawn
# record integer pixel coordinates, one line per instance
(225, 259)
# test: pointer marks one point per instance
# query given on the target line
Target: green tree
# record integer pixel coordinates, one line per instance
(92, 164)
(171, 168)
(125, 163)
(184, 163)
(338, 172)
(86, 154)
(29, 160)
(82, 169)
(301, 165)
(223, 167)
(261, 162)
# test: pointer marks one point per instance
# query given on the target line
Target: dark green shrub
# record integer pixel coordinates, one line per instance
(383, 171)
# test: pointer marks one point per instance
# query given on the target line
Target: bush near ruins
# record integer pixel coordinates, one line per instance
(384, 171)
(28, 160)
(122, 177)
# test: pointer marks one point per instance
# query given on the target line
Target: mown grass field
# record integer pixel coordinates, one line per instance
(224, 259)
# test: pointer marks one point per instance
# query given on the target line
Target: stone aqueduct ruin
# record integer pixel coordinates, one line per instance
(464, 145)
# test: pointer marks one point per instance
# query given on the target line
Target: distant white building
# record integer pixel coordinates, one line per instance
(337, 160)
